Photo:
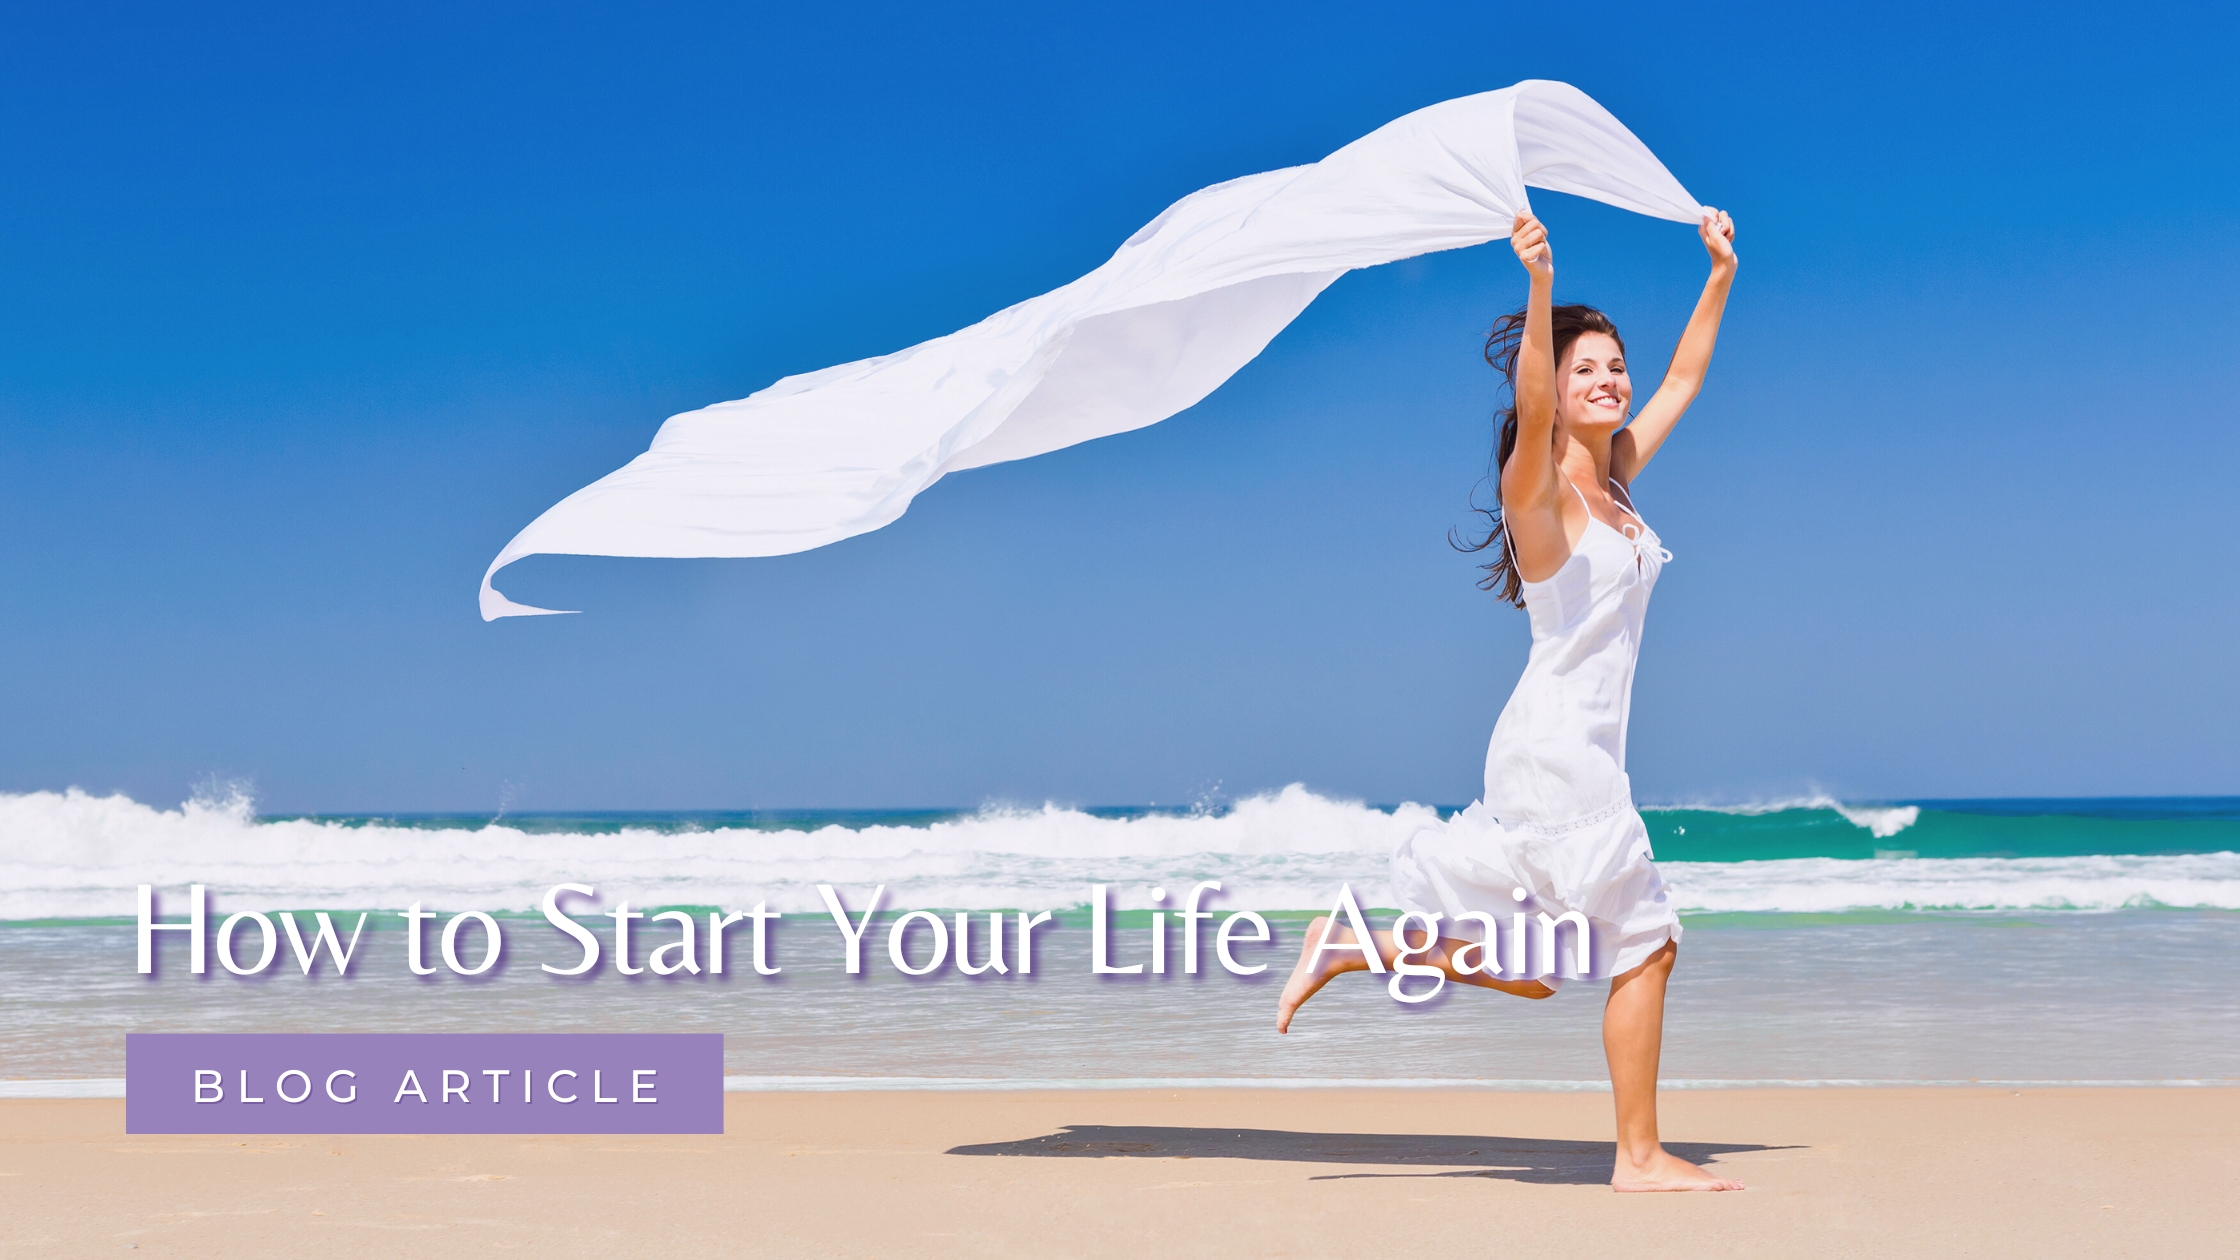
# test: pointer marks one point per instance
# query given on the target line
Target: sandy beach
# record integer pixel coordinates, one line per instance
(1979, 1172)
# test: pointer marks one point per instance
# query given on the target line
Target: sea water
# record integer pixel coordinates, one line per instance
(2058, 940)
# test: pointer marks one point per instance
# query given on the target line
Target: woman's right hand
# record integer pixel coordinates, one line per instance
(1530, 240)
(1717, 230)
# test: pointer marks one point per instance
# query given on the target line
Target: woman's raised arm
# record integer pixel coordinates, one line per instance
(1530, 478)
(1637, 443)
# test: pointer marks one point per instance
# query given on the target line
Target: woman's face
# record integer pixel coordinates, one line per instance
(1592, 388)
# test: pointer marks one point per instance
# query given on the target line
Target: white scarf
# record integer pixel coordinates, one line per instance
(1184, 303)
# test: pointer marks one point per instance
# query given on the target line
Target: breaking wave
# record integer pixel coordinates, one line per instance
(74, 855)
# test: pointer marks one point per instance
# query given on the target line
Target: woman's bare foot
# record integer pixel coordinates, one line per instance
(1664, 1171)
(1309, 975)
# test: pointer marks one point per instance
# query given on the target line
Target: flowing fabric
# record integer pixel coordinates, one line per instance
(1186, 301)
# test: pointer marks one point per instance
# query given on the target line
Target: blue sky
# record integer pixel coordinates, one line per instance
(303, 314)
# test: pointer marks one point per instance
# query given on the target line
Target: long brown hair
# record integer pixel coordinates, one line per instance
(1568, 324)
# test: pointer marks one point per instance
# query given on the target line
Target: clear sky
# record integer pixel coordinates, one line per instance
(304, 310)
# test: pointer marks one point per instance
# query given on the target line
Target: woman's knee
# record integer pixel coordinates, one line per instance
(1658, 964)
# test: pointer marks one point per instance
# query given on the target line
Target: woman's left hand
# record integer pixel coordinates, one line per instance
(1717, 231)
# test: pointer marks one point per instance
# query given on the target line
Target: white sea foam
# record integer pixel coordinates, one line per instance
(1882, 821)
(70, 854)
(2096, 882)
(73, 854)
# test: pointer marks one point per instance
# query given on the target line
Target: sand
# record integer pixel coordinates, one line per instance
(1832, 1172)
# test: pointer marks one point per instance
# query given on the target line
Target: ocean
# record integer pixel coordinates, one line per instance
(1827, 942)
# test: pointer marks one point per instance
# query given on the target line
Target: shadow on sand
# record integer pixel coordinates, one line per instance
(1547, 1161)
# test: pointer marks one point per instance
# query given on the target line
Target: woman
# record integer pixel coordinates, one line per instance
(1556, 833)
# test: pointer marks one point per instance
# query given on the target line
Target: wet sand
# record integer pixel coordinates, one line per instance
(1832, 1172)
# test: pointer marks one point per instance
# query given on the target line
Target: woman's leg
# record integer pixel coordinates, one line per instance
(1311, 972)
(1633, 1038)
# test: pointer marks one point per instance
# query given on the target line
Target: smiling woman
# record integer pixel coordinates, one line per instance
(1556, 835)
(1568, 324)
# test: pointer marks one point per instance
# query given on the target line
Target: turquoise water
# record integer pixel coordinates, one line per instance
(2019, 828)
(70, 856)
(1990, 828)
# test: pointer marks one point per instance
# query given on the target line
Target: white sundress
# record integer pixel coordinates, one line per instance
(1557, 819)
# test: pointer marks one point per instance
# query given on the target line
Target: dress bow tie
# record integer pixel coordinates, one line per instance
(1645, 545)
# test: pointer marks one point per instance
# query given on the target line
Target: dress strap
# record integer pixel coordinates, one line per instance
(1618, 496)
(1623, 498)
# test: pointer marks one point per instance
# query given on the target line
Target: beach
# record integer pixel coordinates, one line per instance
(2012, 1036)
(1242, 1172)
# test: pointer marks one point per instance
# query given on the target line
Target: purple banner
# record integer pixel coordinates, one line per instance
(423, 1083)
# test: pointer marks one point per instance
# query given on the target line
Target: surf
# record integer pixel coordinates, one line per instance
(71, 854)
